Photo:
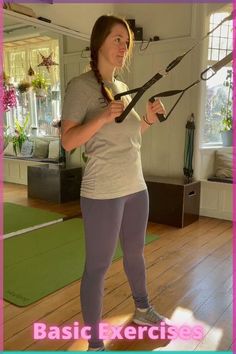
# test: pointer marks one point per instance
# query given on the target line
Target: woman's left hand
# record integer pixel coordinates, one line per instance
(153, 108)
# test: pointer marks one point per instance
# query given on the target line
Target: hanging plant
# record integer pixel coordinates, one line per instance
(24, 86)
(40, 85)
(39, 82)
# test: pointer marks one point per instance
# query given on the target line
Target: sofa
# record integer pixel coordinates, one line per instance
(34, 151)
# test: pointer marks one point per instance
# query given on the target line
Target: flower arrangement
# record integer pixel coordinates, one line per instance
(9, 98)
(20, 134)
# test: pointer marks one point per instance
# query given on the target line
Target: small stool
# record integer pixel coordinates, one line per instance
(173, 201)
(55, 183)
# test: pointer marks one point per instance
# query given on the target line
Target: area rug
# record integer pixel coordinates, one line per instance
(42, 261)
(19, 219)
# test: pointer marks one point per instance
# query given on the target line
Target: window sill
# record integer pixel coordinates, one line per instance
(216, 147)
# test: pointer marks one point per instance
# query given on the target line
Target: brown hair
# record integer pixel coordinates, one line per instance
(101, 30)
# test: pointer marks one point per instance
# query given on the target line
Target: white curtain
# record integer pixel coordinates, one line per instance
(17, 61)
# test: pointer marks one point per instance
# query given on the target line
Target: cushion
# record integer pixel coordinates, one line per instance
(220, 179)
(27, 149)
(40, 148)
(223, 164)
(54, 149)
(9, 150)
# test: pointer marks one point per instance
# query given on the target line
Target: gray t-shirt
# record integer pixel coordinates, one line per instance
(114, 165)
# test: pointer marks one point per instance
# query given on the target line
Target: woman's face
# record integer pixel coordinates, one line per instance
(114, 49)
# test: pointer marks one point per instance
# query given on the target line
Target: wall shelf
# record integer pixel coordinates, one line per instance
(50, 26)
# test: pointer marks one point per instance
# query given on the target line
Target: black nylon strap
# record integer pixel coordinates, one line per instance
(172, 93)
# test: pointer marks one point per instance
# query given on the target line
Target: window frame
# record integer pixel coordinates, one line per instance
(210, 62)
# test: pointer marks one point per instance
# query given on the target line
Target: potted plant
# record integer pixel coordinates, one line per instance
(226, 113)
(39, 84)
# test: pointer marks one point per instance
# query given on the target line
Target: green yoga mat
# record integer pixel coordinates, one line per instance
(17, 218)
(42, 261)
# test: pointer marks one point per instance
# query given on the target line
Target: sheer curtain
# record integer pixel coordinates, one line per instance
(41, 110)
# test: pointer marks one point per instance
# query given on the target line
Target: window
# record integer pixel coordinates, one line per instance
(41, 109)
(220, 44)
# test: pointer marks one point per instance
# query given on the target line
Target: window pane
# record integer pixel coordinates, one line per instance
(222, 54)
(216, 96)
(218, 39)
(214, 54)
(230, 44)
(224, 31)
(215, 42)
(223, 43)
(231, 33)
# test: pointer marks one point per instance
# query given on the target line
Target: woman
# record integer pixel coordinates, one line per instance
(114, 198)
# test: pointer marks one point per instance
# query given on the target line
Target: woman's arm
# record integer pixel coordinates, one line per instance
(144, 125)
(150, 117)
(74, 135)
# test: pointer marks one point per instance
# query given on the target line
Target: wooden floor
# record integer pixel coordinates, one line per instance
(189, 276)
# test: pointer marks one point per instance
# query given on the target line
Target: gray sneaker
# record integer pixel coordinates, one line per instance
(99, 349)
(148, 318)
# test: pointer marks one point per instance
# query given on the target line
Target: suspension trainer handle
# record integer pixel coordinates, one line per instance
(140, 92)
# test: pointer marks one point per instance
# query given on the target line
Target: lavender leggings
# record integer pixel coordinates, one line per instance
(104, 221)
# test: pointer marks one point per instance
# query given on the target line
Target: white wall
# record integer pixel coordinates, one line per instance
(80, 17)
(164, 20)
(152, 17)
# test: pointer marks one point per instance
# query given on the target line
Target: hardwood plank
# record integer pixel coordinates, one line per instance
(223, 329)
(205, 316)
(186, 307)
(16, 193)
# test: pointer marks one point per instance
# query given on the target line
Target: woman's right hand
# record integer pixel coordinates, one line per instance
(113, 110)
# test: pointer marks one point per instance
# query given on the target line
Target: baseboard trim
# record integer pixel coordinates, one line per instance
(216, 214)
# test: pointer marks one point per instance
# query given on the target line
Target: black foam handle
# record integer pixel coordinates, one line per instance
(120, 118)
(161, 117)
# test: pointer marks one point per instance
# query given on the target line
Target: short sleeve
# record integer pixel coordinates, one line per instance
(75, 101)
